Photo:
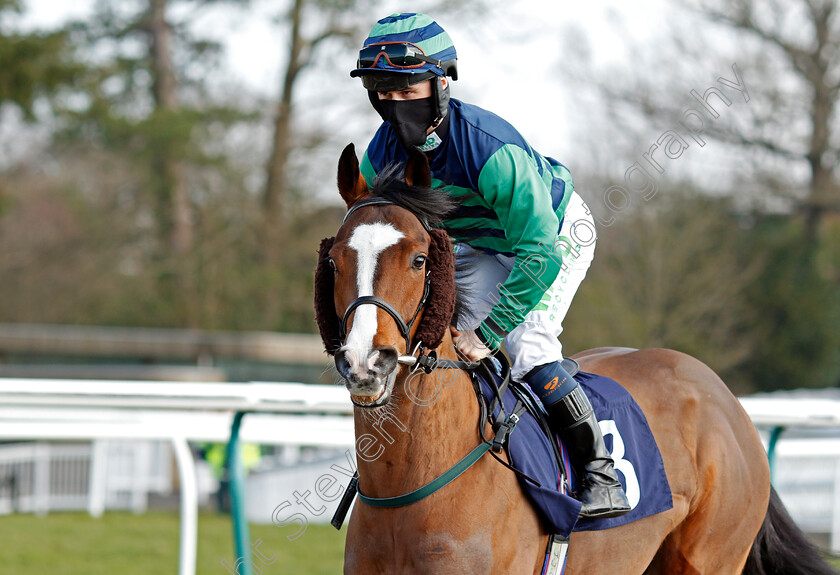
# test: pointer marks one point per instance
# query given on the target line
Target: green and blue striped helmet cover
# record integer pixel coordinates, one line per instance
(420, 30)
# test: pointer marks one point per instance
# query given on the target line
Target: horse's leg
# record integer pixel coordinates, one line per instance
(715, 462)
(732, 485)
(716, 537)
(627, 550)
(699, 548)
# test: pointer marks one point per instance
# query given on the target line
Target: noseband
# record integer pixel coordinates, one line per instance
(402, 325)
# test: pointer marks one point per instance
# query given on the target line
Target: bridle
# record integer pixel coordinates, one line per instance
(402, 325)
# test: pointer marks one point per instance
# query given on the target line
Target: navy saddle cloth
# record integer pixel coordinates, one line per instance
(626, 435)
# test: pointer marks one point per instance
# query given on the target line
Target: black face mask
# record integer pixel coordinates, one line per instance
(410, 119)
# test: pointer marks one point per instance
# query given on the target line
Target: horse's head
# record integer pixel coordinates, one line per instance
(384, 283)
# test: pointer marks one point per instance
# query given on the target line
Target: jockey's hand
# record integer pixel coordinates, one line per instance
(468, 345)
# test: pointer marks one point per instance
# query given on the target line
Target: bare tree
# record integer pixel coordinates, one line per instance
(334, 24)
(781, 151)
(302, 49)
(173, 197)
(787, 139)
(806, 36)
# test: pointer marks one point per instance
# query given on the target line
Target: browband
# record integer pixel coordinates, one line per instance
(382, 202)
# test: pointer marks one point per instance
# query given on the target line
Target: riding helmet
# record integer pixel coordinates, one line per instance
(424, 33)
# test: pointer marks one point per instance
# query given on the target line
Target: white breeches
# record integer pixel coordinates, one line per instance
(535, 341)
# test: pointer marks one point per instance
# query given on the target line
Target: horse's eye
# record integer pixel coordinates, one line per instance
(418, 262)
(332, 264)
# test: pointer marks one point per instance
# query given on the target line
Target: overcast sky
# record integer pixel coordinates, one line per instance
(511, 60)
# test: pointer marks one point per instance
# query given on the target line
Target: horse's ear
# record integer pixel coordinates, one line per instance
(351, 184)
(417, 172)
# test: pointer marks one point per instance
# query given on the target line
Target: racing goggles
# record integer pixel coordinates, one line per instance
(402, 55)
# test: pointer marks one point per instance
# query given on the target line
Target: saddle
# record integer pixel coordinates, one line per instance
(526, 402)
(542, 463)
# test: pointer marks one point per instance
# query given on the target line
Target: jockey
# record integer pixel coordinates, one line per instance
(523, 238)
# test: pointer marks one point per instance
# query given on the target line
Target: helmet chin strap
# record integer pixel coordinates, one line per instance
(441, 96)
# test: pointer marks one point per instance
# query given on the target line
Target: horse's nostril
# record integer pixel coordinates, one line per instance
(386, 360)
(342, 365)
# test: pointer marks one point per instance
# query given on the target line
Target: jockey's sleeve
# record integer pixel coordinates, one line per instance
(367, 170)
(520, 195)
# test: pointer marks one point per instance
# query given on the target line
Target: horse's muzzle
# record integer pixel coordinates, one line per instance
(368, 379)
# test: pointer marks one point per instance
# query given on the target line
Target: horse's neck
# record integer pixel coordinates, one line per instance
(430, 423)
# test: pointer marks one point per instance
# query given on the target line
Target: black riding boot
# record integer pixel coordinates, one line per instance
(573, 418)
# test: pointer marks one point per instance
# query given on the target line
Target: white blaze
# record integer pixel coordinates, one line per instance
(369, 241)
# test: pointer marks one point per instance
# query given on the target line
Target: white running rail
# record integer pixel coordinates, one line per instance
(293, 414)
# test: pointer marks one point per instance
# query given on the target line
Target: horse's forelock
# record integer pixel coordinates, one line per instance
(428, 204)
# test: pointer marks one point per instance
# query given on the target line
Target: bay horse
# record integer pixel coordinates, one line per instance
(386, 280)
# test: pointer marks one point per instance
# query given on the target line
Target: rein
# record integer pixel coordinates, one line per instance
(430, 362)
(436, 484)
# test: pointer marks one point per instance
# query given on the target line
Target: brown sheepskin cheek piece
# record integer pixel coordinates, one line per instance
(440, 306)
(325, 315)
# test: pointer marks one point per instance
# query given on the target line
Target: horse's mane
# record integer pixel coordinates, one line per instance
(432, 205)
(429, 204)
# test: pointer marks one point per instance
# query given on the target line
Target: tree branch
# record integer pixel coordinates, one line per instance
(798, 57)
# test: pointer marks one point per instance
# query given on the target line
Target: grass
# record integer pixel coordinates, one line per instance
(126, 544)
